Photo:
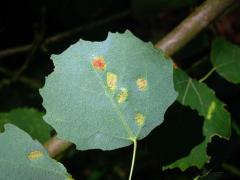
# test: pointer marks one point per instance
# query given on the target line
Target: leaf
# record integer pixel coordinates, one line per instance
(106, 95)
(236, 127)
(216, 119)
(23, 158)
(225, 58)
(29, 120)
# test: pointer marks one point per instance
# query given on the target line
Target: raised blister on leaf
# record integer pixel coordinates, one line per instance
(33, 155)
(98, 63)
(111, 81)
(140, 119)
(142, 84)
(122, 96)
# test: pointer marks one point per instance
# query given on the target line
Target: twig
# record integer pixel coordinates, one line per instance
(207, 75)
(36, 44)
(62, 36)
(33, 83)
(175, 40)
(231, 169)
(39, 38)
(56, 146)
(16, 50)
(192, 25)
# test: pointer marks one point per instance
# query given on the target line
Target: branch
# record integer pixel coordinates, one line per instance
(231, 169)
(63, 35)
(192, 25)
(175, 40)
(33, 83)
(39, 38)
(56, 146)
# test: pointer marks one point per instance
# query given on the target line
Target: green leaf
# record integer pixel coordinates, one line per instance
(108, 94)
(23, 158)
(225, 58)
(29, 120)
(236, 127)
(216, 119)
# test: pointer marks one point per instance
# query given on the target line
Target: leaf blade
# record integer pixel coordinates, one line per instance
(121, 63)
(216, 118)
(29, 120)
(25, 158)
(225, 58)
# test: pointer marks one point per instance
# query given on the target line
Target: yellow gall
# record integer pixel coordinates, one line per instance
(35, 155)
(142, 84)
(111, 81)
(140, 119)
(123, 95)
(98, 63)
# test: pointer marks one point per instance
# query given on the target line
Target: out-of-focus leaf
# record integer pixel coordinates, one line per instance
(225, 58)
(108, 94)
(23, 158)
(236, 127)
(216, 119)
(29, 120)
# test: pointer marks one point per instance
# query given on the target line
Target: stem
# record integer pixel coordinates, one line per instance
(207, 75)
(133, 158)
(33, 83)
(192, 25)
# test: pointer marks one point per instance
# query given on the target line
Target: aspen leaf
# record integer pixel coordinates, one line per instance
(23, 158)
(28, 119)
(105, 95)
(225, 58)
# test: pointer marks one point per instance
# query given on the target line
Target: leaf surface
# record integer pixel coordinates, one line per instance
(225, 58)
(29, 120)
(216, 119)
(104, 95)
(23, 158)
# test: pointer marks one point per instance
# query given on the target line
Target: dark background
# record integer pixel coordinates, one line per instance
(50, 26)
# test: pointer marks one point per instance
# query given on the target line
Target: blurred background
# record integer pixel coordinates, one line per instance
(30, 31)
